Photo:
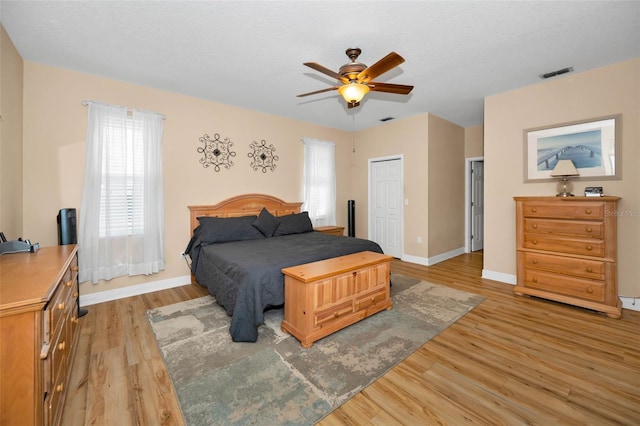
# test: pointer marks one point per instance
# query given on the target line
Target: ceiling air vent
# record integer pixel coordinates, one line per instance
(556, 73)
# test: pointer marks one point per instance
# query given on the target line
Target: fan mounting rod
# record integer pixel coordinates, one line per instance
(350, 71)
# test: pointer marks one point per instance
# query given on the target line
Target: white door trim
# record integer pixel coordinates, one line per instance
(369, 197)
(467, 203)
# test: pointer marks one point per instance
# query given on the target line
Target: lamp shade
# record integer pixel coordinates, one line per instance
(353, 92)
(565, 168)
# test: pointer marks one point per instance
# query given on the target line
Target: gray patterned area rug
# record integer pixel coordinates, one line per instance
(277, 382)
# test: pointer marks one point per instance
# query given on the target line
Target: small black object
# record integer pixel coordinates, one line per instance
(593, 191)
(67, 233)
(351, 204)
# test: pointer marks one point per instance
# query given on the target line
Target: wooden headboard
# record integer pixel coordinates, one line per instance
(242, 205)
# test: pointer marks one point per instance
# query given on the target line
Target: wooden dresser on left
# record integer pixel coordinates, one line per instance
(38, 333)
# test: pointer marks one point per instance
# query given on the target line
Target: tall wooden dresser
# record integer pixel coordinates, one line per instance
(566, 251)
(38, 333)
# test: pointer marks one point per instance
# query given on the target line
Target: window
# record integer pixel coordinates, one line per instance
(121, 228)
(121, 190)
(319, 182)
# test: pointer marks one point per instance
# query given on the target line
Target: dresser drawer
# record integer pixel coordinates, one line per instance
(57, 306)
(564, 210)
(58, 354)
(370, 299)
(565, 227)
(548, 242)
(565, 285)
(593, 269)
(333, 313)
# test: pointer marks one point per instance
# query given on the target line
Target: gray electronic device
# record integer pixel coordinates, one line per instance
(17, 246)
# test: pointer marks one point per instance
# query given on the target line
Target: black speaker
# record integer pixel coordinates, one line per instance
(351, 205)
(67, 233)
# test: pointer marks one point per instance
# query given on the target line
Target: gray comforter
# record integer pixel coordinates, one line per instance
(245, 276)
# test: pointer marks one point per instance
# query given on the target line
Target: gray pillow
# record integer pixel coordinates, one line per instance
(227, 229)
(296, 223)
(266, 223)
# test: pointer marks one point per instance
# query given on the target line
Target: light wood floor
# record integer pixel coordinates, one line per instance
(512, 360)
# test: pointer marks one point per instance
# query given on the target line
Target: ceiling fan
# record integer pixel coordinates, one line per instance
(356, 77)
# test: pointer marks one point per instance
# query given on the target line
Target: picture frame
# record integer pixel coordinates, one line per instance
(593, 145)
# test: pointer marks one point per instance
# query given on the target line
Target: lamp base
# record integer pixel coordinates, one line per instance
(564, 188)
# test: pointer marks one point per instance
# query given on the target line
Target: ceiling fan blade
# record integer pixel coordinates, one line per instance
(390, 61)
(325, 70)
(399, 89)
(318, 91)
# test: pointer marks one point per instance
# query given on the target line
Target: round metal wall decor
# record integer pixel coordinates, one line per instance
(263, 157)
(216, 152)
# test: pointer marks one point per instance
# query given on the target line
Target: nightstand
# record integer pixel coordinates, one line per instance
(332, 230)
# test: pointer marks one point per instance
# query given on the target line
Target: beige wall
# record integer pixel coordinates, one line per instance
(11, 84)
(407, 138)
(55, 125)
(474, 141)
(446, 186)
(605, 91)
(433, 154)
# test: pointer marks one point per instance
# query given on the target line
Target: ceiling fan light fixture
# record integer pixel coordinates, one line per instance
(353, 92)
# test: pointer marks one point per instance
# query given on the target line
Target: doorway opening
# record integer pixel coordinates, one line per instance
(474, 204)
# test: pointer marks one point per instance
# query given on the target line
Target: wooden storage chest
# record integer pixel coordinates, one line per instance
(325, 296)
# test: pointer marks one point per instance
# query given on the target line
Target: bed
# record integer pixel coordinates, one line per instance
(239, 246)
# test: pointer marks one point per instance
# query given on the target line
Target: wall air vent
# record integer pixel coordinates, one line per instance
(387, 119)
(556, 73)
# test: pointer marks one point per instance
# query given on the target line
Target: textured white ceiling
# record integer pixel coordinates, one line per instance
(250, 54)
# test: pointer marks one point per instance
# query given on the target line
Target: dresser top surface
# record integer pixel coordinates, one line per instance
(567, 199)
(29, 279)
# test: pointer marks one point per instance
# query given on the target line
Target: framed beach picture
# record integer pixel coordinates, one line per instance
(592, 145)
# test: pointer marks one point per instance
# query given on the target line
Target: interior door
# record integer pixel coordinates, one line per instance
(477, 205)
(386, 205)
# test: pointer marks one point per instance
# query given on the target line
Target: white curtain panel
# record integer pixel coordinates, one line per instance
(319, 187)
(121, 230)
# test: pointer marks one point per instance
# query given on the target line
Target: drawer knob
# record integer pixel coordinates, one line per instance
(75, 294)
(589, 248)
(535, 241)
(589, 230)
(535, 280)
(61, 306)
(589, 290)
(589, 269)
(74, 268)
(74, 320)
(60, 387)
(535, 226)
(68, 283)
(588, 211)
(534, 209)
(336, 314)
(535, 261)
(61, 346)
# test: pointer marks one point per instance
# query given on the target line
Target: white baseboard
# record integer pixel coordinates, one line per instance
(415, 259)
(134, 290)
(631, 303)
(499, 276)
(432, 260)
